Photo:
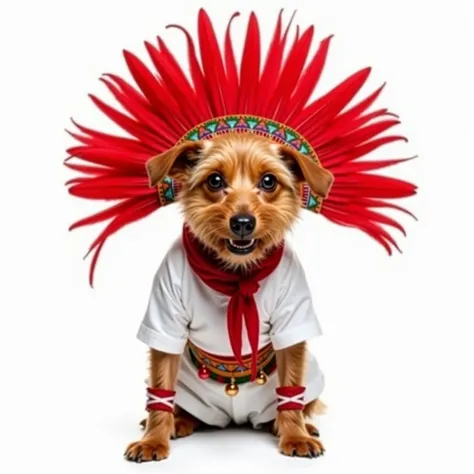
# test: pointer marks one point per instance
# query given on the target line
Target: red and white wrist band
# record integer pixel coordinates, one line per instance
(159, 399)
(290, 398)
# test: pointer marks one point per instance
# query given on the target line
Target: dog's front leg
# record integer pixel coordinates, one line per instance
(290, 424)
(155, 444)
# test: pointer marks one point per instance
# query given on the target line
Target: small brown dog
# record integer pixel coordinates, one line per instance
(240, 197)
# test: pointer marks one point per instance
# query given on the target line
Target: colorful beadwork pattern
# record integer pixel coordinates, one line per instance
(222, 369)
(248, 123)
(168, 191)
(309, 200)
(268, 369)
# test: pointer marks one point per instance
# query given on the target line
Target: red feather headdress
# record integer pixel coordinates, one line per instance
(269, 96)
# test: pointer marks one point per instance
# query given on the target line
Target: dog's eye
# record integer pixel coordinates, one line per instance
(268, 182)
(215, 182)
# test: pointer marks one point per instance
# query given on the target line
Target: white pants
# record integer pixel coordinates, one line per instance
(254, 404)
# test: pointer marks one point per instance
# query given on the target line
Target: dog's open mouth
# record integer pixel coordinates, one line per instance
(241, 247)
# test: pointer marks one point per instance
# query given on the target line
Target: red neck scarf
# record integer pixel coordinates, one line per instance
(241, 288)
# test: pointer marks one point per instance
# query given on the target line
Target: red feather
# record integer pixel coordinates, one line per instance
(232, 89)
(310, 78)
(272, 69)
(321, 111)
(129, 125)
(196, 71)
(250, 67)
(212, 64)
(111, 141)
(360, 166)
(129, 91)
(133, 213)
(174, 79)
(335, 157)
(106, 214)
(110, 157)
(163, 103)
(341, 128)
(292, 72)
(155, 124)
(87, 169)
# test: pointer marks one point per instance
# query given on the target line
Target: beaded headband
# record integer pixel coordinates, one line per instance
(168, 189)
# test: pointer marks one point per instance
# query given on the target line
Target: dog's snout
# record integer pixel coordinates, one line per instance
(242, 225)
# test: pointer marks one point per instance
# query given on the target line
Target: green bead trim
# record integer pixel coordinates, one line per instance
(250, 123)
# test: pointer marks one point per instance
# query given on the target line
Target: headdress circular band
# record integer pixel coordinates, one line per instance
(269, 95)
(168, 190)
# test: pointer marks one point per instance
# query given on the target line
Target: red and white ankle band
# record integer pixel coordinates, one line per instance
(159, 399)
(290, 398)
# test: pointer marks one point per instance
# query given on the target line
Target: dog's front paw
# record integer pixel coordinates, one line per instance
(148, 449)
(302, 446)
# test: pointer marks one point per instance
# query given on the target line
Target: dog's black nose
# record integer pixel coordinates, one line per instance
(242, 225)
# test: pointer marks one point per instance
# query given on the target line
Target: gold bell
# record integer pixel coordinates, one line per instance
(261, 378)
(231, 388)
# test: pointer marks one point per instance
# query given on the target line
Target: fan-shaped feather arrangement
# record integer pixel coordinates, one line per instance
(269, 94)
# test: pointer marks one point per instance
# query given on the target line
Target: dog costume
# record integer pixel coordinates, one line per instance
(227, 328)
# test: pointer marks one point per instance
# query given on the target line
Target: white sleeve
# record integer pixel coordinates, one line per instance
(294, 319)
(165, 325)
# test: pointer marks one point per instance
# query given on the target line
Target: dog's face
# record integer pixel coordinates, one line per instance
(240, 192)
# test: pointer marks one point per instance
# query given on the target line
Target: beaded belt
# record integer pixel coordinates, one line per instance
(227, 370)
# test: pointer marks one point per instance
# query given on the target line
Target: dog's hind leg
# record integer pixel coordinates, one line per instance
(316, 407)
(185, 424)
(271, 427)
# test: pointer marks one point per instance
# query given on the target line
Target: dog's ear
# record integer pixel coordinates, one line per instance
(305, 169)
(175, 162)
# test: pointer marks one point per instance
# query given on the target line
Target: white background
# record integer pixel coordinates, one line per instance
(397, 329)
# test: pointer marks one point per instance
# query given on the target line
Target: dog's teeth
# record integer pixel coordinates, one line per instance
(242, 246)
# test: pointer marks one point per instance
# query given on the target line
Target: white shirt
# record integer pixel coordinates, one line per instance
(181, 306)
